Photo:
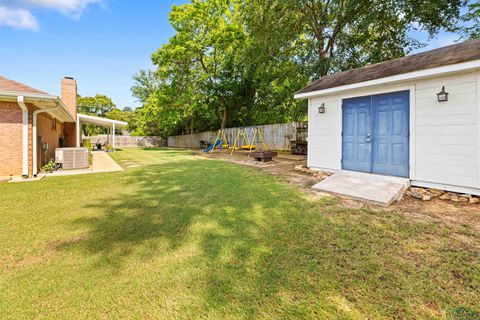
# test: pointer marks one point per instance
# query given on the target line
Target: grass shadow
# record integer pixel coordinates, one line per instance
(254, 248)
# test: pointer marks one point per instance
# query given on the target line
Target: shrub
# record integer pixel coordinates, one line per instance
(49, 167)
(87, 144)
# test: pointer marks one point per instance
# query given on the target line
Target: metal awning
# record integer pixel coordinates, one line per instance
(99, 121)
(104, 122)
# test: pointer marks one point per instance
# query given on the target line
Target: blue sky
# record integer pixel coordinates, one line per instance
(101, 46)
(101, 43)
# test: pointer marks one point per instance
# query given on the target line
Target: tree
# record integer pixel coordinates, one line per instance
(340, 34)
(239, 62)
(200, 62)
(469, 26)
(126, 115)
(99, 105)
(145, 85)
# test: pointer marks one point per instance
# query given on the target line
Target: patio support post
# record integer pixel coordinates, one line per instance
(113, 136)
(109, 124)
(79, 131)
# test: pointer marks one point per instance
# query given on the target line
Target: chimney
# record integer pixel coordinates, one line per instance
(69, 95)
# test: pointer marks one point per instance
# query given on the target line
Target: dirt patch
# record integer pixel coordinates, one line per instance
(283, 165)
(64, 243)
(48, 252)
(454, 215)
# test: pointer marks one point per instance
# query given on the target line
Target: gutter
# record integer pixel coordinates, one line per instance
(58, 104)
(23, 106)
(28, 95)
(409, 76)
(37, 97)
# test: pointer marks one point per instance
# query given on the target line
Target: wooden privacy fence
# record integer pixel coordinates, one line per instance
(127, 141)
(277, 136)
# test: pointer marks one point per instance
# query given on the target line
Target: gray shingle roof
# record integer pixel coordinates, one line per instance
(453, 54)
(10, 85)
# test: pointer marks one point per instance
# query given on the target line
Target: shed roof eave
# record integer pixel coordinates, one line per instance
(415, 75)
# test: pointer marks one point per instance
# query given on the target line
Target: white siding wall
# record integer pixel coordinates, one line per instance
(445, 137)
(325, 133)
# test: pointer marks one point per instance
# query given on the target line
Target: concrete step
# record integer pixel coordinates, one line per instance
(377, 189)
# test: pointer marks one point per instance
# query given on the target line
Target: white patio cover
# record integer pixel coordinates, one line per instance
(104, 122)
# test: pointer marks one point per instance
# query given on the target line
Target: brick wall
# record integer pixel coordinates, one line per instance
(48, 134)
(70, 134)
(10, 139)
(69, 95)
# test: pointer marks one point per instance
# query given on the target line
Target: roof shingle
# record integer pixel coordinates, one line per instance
(10, 85)
(453, 54)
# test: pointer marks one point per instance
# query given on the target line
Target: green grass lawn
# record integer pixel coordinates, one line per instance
(182, 237)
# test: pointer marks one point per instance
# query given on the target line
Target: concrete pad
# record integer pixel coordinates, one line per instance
(380, 190)
(101, 162)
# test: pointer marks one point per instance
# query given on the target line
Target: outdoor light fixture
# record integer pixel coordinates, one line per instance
(321, 109)
(442, 95)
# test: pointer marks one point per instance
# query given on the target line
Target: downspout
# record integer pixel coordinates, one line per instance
(34, 133)
(23, 106)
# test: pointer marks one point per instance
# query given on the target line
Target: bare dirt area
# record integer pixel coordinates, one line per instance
(452, 214)
(283, 165)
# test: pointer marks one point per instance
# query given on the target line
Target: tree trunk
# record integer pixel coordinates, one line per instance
(224, 118)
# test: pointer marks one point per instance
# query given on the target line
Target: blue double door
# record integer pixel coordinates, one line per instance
(376, 134)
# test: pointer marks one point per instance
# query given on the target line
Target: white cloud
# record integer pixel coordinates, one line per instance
(18, 19)
(18, 13)
(69, 7)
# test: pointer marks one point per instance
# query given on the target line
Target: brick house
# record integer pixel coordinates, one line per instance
(33, 124)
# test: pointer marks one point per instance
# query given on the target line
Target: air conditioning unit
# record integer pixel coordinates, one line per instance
(72, 158)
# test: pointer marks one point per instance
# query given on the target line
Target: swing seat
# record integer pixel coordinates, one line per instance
(249, 147)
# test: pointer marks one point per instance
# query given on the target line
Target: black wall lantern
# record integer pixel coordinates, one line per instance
(442, 95)
(321, 109)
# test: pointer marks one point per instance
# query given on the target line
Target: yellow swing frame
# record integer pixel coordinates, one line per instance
(251, 144)
(240, 133)
(220, 134)
(257, 132)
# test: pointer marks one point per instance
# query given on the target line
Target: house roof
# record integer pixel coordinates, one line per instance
(11, 90)
(11, 85)
(453, 54)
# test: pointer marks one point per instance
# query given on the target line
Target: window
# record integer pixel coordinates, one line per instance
(54, 124)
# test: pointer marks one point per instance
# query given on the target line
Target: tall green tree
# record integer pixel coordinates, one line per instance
(201, 61)
(335, 35)
(98, 105)
(239, 62)
(126, 115)
(145, 85)
(469, 25)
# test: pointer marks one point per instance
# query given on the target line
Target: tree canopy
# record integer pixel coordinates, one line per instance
(239, 62)
(470, 21)
(98, 105)
(102, 106)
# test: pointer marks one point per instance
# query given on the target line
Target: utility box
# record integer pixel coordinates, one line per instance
(72, 158)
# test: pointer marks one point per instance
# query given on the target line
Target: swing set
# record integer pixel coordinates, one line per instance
(241, 142)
